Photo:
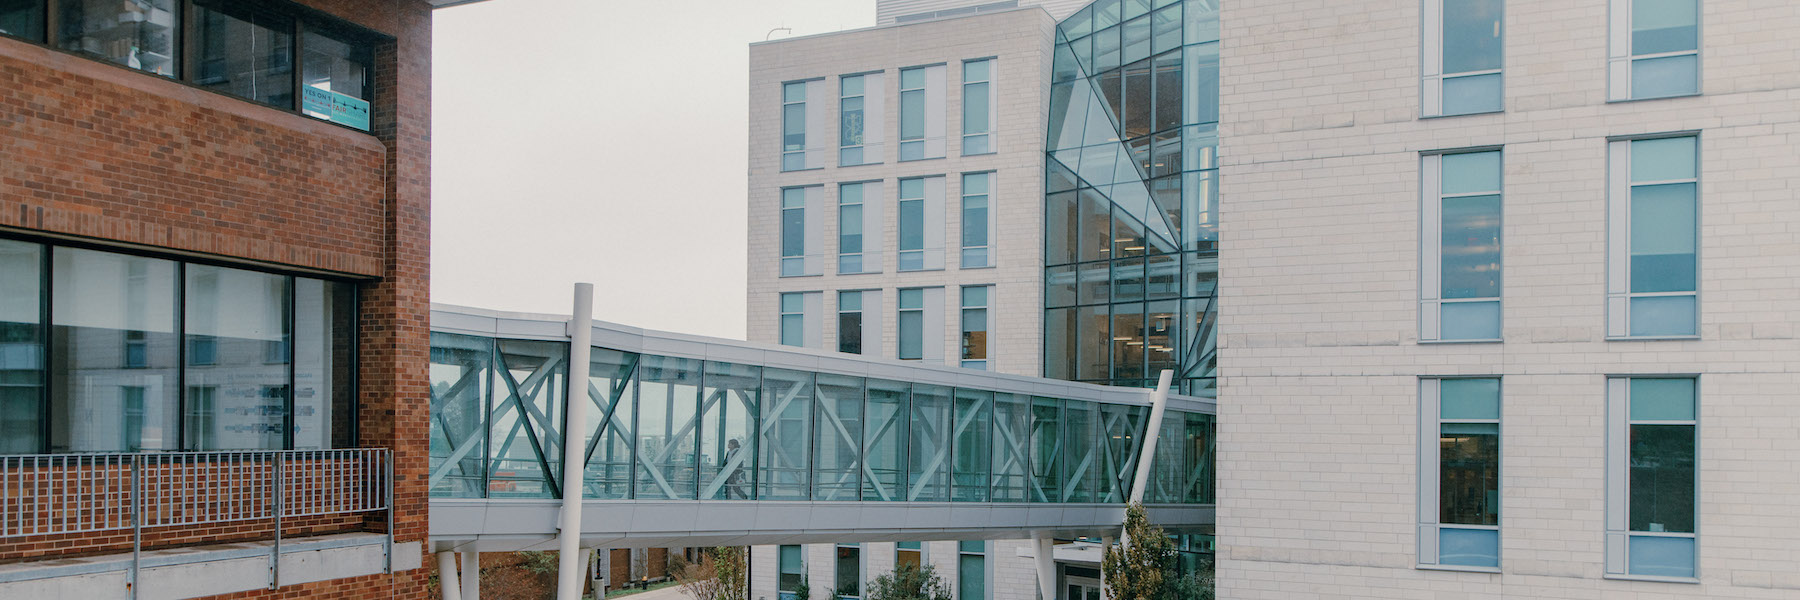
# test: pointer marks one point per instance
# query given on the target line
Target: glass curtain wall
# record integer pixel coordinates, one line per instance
(1131, 195)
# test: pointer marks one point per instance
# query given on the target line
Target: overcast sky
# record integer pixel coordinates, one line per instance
(601, 141)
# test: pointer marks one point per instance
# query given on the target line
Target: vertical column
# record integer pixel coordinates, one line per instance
(471, 575)
(1043, 554)
(447, 580)
(569, 569)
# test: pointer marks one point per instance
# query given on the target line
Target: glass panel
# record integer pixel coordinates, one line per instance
(975, 108)
(1128, 280)
(1661, 77)
(793, 92)
(459, 378)
(837, 441)
(1162, 277)
(912, 114)
(335, 72)
(1663, 315)
(909, 554)
(1094, 335)
(1663, 238)
(912, 224)
(1659, 26)
(1198, 457)
(1168, 90)
(974, 221)
(1137, 39)
(884, 441)
(793, 232)
(850, 234)
(974, 334)
(971, 577)
(1662, 399)
(1118, 441)
(972, 441)
(1106, 14)
(1471, 247)
(1106, 51)
(668, 404)
(1472, 35)
(728, 423)
(1096, 226)
(1138, 101)
(1661, 556)
(850, 328)
(23, 19)
(1081, 461)
(244, 52)
(1471, 173)
(1060, 232)
(850, 129)
(324, 363)
(1060, 343)
(1166, 29)
(1662, 478)
(1168, 477)
(113, 340)
(21, 343)
(611, 421)
(793, 330)
(524, 449)
(1059, 286)
(1468, 399)
(1469, 473)
(1472, 94)
(142, 35)
(1201, 104)
(1159, 336)
(1094, 282)
(1663, 159)
(1011, 425)
(971, 546)
(1469, 547)
(912, 335)
(792, 571)
(1469, 321)
(1128, 341)
(928, 452)
(1046, 449)
(849, 572)
(793, 128)
(787, 408)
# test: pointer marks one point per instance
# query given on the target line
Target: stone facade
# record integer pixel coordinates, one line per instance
(1320, 268)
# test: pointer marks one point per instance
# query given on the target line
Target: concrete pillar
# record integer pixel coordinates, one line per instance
(569, 569)
(447, 583)
(1044, 554)
(1106, 543)
(471, 575)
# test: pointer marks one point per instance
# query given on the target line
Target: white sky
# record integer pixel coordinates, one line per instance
(601, 141)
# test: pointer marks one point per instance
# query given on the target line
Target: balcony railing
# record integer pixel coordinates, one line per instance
(64, 494)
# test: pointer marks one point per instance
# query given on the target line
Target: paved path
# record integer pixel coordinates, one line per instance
(672, 592)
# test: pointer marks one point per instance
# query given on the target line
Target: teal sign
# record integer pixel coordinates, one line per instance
(340, 108)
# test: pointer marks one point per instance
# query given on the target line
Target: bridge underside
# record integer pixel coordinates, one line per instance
(512, 525)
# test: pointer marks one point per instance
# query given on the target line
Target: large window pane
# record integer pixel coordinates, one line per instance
(1012, 414)
(849, 572)
(324, 364)
(611, 422)
(21, 346)
(1472, 35)
(245, 51)
(1667, 76)
(1663, 238)
(884, 440)
(837, 447)
(1469, 473)
(335, 72)
(728, 425)
(972, 440)
(1472, 94)
(1661, 556)
(1659, 26)
(459, 377)
(668, 402)
(524, 441)
(1469, 547)
(22, 18)
(1471, 247)
(792, 570)
(1199, 435)
(113, 353)
(1046, 449)
(142, 35)
(786, 427)
(1662, 478)
(928, 446)
(971, 577)
(1662, 399)
(1081, 459)
(1663, 316)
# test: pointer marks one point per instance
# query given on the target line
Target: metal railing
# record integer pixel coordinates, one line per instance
(62, 494)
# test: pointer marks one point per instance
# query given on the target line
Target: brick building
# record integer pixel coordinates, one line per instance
(214, 254)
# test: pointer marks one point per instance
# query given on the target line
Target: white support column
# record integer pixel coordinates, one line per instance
(1044, 554)
(447, 576)
(1106, 543)
(569, 569)
(471, 577)
(1159, 402)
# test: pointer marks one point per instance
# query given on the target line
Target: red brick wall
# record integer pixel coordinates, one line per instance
(94, 151)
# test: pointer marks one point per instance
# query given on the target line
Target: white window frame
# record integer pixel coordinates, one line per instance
(1430, 457)
(1618, 238)
(811, 304)
(931, 144)
(931, 323)
(987, 196)
(930, 255)
(1618, 479)
(1431, 223)
(873, 97)
(810, 261)
(872, 240)
(1431, 88)
(993, 108)
(1620, 55)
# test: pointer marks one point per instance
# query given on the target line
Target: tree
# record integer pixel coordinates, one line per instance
(909, 582)
(720, 575)
(1143, 566)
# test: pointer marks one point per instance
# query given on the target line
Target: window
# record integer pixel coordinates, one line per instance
(234, 313)
(912, 324)
(797, 325)
(1459, 476)
(922, 113)
(792, 572)
(793, 126)
(1460, 276)
(971, 570)
(977, 228)
(921, 224)
(143, 35)
(1652, 269)
(22, 304)
(978, 107)
(335, 77)
(859, 119)
(1654, 50)
(1463, 53)
(802, 232)
(245, 52)
(976, 343)
(850, 322)
(849, 572)
(909, 554)
(859, 228)
(1650, 477)
(22, 19)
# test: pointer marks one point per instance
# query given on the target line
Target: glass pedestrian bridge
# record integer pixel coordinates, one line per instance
(692, 441)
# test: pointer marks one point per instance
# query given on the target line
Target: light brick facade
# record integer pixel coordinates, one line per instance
(1320, 271)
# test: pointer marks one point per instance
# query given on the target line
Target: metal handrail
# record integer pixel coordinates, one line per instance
(62, 494)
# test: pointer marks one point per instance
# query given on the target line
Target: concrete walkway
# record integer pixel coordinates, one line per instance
(672, 592)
